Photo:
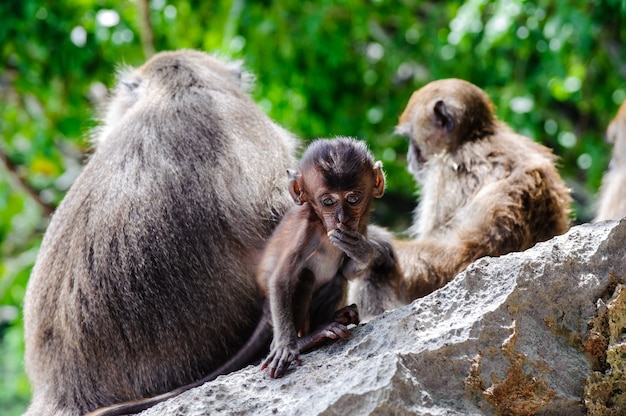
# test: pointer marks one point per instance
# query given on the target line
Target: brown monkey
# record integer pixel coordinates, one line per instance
(612, 200)
(485, 190)
(320, 244)
(145, 280)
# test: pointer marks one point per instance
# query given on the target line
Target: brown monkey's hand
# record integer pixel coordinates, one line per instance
(354, 244)
(280, 358)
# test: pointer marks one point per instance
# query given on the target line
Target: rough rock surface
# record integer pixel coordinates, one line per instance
(510, 335)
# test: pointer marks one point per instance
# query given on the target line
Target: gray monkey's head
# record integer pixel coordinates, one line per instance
(167, 74)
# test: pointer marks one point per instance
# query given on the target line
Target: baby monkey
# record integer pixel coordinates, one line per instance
(318, 246)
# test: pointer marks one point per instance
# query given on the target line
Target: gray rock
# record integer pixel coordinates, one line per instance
(504, 337)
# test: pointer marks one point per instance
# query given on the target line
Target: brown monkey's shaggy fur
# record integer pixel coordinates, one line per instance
(612, 199)
(485, 190)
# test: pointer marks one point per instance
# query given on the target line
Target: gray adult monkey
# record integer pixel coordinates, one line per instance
(145, 277)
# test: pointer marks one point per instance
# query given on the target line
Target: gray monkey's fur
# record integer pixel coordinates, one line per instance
(145, 277)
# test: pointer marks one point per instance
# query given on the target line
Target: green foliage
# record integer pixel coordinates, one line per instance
(555, 70)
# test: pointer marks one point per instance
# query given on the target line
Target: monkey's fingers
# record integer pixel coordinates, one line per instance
(283, 364)
(348, 315)
(279, 360)
(348, 243)
(268, 360)
(349, 236)
(357, 248)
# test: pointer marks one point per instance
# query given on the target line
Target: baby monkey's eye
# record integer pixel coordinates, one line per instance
(352, 199)
(328, 201)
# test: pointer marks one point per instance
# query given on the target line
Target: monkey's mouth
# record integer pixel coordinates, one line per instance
(415, 158)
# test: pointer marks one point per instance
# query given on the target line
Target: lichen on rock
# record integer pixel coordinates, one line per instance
(519, 392)
(605, 389)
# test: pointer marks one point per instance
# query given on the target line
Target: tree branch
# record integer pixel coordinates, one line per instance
(145, 26)
(11, 168)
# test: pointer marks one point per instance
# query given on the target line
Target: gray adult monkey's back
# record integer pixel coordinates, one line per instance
(145, 277)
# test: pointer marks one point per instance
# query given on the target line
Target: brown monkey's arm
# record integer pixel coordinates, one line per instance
(428, 265)
(493, 223)
(380, 287)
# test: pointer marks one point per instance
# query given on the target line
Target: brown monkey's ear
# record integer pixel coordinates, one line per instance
(295, 186)
(379, 180)
(444, 118)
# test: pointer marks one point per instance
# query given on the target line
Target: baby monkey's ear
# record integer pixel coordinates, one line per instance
(379, 180)
(295, 187)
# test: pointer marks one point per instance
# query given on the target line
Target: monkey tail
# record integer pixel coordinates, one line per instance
(258, 341)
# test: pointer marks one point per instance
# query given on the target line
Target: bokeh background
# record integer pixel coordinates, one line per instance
(555, 69)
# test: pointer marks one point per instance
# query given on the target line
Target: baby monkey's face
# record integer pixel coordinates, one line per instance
(341, 209)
